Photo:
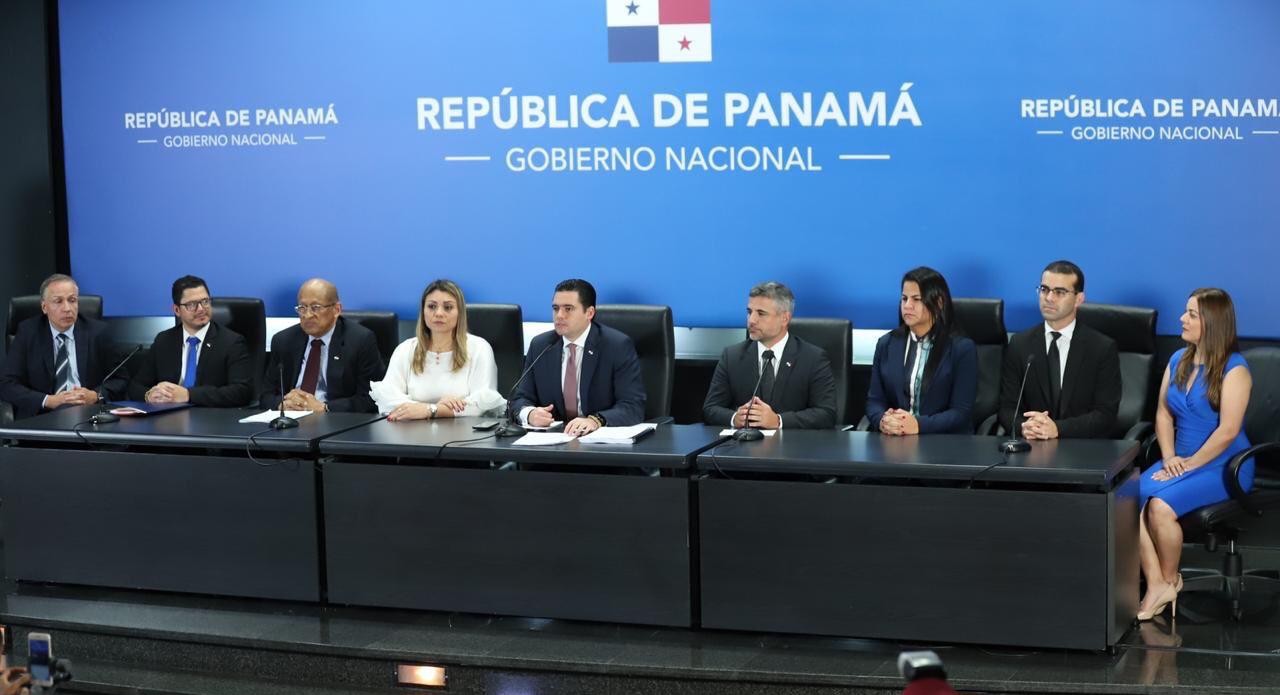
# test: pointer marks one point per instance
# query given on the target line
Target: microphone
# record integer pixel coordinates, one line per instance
(748, 433)
(103, 415)
(282, 422)
(1017, 444)
(510, 428)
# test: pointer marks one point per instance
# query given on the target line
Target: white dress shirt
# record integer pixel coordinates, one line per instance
(476, 382)
(581, 342)
(321, 383)
(1064, 346)
(182, 358)
(71, 353)
(777, 348)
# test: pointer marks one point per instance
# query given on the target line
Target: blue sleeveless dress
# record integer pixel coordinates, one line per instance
(1194, 420)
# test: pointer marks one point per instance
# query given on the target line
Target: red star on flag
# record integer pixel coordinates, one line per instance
(684, 43)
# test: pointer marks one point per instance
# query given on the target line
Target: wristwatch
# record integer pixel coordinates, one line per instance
(433, 408)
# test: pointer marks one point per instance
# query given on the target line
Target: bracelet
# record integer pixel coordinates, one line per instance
(597, 419)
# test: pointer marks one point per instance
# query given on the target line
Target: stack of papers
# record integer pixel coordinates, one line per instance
(618, 435)
(269, 415)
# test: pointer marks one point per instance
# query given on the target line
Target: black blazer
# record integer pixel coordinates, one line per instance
(29, 370)
(804, 392)
(947, 395)
(354, 361)
(610, 385)
(224, 374)
(1090, 383)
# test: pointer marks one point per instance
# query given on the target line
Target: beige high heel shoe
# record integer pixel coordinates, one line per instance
(1170, 596)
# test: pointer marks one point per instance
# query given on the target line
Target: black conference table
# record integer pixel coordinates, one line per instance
(920, 538)
(578, 531)
(169, 501)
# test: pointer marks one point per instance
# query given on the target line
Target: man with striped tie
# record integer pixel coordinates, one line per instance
(197, 361)
(58, 359)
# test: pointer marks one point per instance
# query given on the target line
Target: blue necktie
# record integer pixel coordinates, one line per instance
(193, 349)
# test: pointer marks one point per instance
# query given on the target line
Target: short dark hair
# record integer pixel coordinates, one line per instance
(187, 282)
(586, 293)
(1067, 268)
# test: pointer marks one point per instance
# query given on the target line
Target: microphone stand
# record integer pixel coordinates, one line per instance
(282, 422)
(1017, 444)
(509, 428)
(104, 416)
(748, 433)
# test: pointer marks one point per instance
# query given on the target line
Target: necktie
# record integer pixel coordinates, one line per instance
(909, 367)
(193, 350)
(311, 372)
(62, 375)
(766, 376)
(571, 384)
(1055, 372)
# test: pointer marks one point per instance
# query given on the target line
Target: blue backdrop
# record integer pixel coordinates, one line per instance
(981, 188)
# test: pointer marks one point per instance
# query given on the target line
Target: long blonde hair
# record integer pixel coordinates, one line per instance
(459, 331)
(1217, 342)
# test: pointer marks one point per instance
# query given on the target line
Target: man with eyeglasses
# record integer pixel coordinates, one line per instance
(325, 362)
(197, 361)
(1073, 387)
(59, 358)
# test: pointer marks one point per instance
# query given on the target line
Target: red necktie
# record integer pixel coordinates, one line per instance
(311, 373)
(571, 384)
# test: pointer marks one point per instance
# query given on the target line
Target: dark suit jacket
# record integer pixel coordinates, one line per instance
(610, 385)
(354, 361)
(946, 400)
(224, 374)
(804, 392)
(1090, 383)
(29, 369)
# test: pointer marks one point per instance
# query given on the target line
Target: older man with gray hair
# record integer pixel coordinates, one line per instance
(60, 357)
(773, 379)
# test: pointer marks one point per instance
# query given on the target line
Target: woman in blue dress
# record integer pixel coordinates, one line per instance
(1199, 426)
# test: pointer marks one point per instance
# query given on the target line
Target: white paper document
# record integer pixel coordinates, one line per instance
(534, 428)
(543, 439)
(730, 432)
(618, 435)
(269, 415)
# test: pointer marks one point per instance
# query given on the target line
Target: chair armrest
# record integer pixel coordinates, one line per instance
(6, 413)
(864, 425)
(1140, 431)
(1148, 452)
(990, 425)
(1233, 474)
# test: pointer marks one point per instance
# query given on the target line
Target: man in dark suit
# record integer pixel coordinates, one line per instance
(1073, 388)
(589, 375)
(796, 389)
(326, 360)
(197, 361)
(59, 358)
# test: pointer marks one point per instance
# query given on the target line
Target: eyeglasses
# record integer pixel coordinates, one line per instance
(197, 304)
(305, 309)
(1057, 292)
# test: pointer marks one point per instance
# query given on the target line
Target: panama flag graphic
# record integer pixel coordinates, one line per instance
(659, 31)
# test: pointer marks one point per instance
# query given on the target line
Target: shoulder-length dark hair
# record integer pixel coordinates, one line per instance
(424, 331)
(1217, 342)
(936, 297)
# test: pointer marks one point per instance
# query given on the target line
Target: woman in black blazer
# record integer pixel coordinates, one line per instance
(924, 377)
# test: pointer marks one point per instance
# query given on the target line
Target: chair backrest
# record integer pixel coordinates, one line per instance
(982, 321)
(654, 334)
(503, 326)
(24, 307)
(248, 317)
(835, 337)
(1262, 418)
(1134, 330)
(385, 326)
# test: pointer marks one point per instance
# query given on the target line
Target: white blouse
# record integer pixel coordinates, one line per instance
(476, 383)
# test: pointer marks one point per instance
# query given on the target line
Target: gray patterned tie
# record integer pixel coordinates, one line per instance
(62, 376)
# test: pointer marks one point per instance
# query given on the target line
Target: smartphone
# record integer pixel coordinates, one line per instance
(486, 425)
(40, 658)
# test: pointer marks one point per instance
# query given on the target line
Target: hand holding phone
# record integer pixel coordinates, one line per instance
(40, 658)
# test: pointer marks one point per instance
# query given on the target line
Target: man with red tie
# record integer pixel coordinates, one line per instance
(583, 373)
(324, 363)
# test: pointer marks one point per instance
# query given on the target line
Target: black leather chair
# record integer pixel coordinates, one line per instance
(835, 337)
(1134, 330)
(652, 331)
(982, 321)
(503, 326)
(1226, 522)
(26, 306)
(248, 317)
(385, 326)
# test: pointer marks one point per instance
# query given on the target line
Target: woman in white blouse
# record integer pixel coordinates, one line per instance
(444, 371)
